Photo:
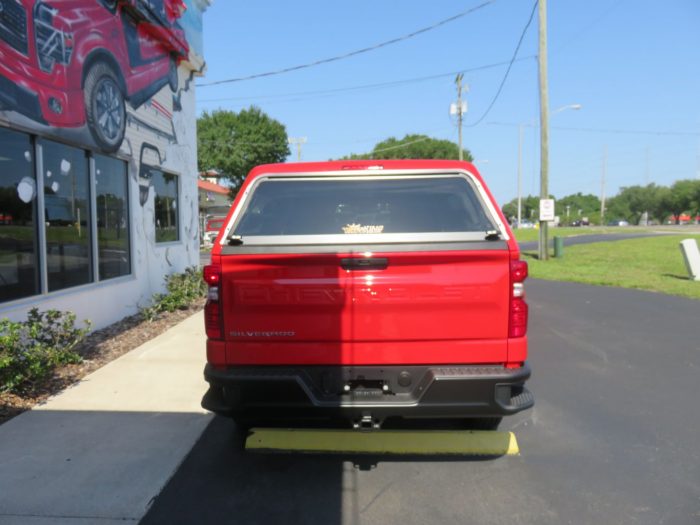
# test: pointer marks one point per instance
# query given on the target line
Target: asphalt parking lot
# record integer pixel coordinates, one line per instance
(612, 438)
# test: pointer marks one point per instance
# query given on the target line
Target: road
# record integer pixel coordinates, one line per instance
(591, 238)
(612, 438)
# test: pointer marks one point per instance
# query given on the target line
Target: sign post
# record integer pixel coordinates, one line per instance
(546, 210)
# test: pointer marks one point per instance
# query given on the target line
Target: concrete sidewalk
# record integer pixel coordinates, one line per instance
(101, 451)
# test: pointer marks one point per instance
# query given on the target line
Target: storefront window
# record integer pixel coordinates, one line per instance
(166, 205)
(112, 217)
(19, 264)
(66, 216)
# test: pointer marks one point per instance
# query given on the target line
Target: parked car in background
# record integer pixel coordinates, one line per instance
(363, 291)
(212, 225)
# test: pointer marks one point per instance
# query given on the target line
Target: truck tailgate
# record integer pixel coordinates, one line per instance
(403, 307)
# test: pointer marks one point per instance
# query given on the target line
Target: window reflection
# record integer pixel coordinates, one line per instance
(19, 268)
(66, 215)
(166, 205)
(112, 217)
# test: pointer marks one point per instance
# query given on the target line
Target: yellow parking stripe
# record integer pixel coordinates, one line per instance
(418, 442)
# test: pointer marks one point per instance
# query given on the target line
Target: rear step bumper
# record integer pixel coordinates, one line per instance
(300, 392)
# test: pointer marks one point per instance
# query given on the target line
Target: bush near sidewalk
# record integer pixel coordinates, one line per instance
(31, 349)
(183, 290)
(94, 350)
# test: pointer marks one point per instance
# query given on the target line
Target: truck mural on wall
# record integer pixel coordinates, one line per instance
(78, 63)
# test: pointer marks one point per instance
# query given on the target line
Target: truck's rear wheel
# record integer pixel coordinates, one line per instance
(105, 111)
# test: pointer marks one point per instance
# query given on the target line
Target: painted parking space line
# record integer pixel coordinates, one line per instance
(400, 442)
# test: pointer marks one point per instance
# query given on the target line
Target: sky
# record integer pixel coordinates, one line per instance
(632, 65)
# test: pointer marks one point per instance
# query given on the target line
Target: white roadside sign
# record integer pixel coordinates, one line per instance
(547, 210)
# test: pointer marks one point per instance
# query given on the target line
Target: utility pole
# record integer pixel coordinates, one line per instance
(298, 142)
(646, 175)
(544, 126)
(602, 186)
(520, 173)
(459, 109)
(646, 212)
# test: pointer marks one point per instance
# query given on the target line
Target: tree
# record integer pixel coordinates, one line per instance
(695, 200)
(633, 201)
(414, 147)
(659, 208)
(587, 204)
(530, 208)
(580, 205)
(680, 198)
(510, 209)
(233, 143)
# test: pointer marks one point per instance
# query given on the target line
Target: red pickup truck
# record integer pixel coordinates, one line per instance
(366, 290)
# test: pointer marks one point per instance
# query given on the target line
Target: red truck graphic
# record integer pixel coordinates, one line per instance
(70, 63)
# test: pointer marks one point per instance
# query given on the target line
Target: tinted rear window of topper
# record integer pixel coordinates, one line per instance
(388, 205)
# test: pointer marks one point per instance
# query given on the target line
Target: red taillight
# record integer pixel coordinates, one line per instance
(518, 271)
(213, 320)
(212, 274)
(517, 326)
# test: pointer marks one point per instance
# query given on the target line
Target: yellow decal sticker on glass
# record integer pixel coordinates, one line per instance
(359, 228)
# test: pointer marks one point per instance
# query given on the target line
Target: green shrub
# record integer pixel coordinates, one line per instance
(183, 290)
(31, 349)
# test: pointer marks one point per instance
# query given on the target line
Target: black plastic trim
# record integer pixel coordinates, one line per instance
(361, 248)
(286, 392)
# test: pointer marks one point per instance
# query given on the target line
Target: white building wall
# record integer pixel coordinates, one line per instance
(106, 302)
(170, 127)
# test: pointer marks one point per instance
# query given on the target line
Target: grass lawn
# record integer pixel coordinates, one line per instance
(653, 263)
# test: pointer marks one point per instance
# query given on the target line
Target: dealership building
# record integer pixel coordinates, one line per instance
(98, 153)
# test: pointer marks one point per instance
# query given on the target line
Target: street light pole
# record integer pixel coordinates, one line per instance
(459, 109)
(459, 113)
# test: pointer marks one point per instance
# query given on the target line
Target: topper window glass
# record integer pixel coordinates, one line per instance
(66, 216)
(166, 205)
(380, 206)
(114, 257)
(19, 265)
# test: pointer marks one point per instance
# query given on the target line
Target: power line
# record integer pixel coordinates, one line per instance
(237, 142)
(352, 53)
(634, 131)
(587, 29)
(510, 65)
(399, 146)
(613, 130)
(390, 83)
(412, 80)
(227, 142)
